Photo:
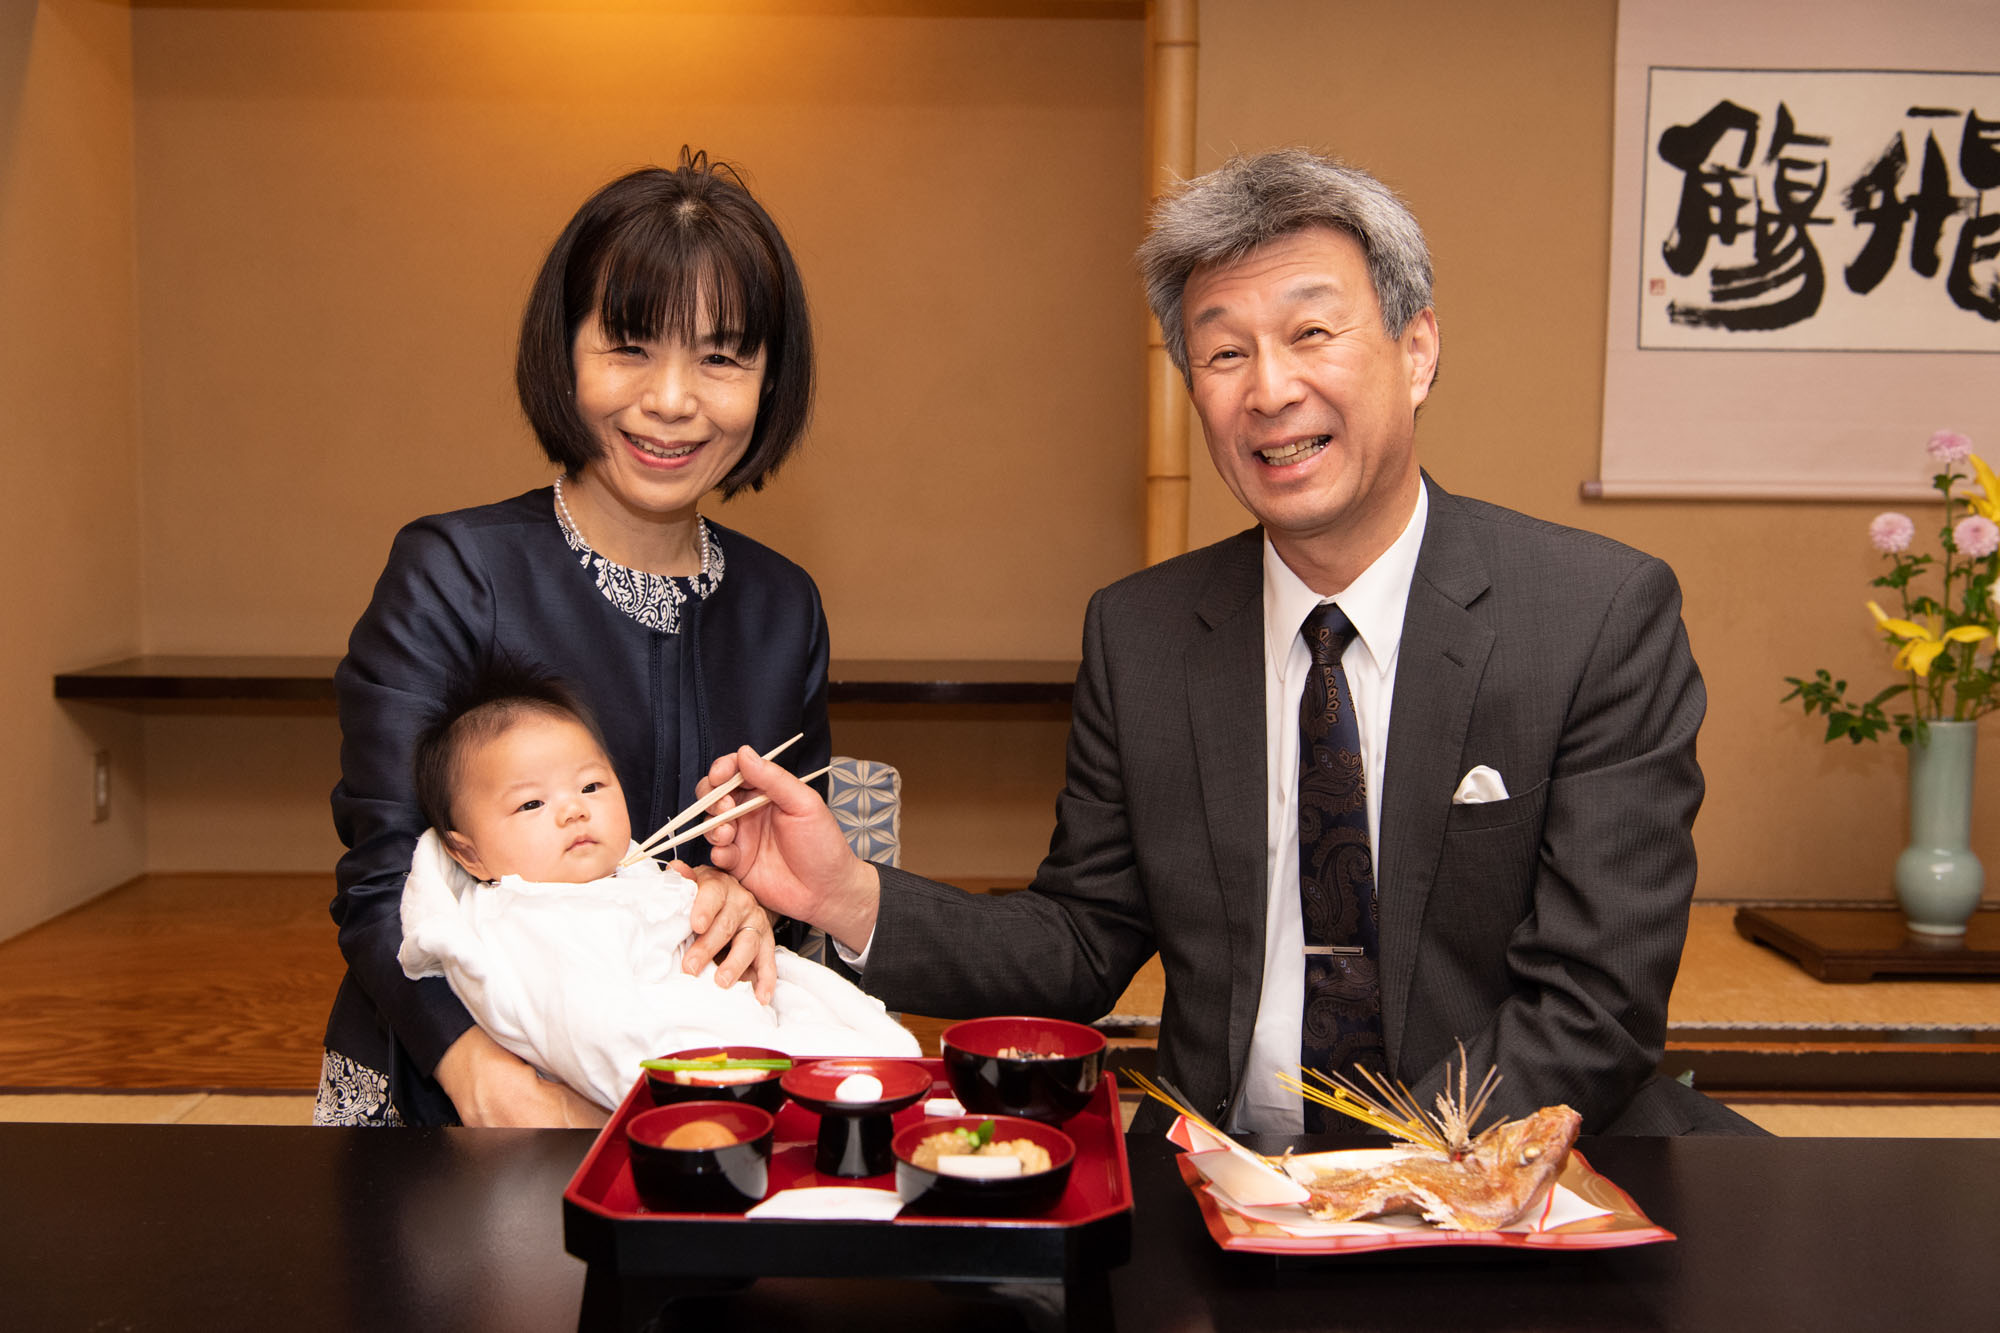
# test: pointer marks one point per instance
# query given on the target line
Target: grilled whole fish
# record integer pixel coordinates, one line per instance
(1507, 1171)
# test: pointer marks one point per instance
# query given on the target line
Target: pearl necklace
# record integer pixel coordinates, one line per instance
(569, 521)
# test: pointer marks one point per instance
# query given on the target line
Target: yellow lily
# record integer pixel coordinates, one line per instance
(1921, 646)
(1987, 505)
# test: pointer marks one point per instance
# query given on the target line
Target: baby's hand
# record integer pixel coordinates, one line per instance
(731, 930)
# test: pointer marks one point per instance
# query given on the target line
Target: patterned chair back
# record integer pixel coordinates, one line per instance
(866, 798)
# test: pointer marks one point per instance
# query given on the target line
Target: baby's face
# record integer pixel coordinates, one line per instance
(539, 801)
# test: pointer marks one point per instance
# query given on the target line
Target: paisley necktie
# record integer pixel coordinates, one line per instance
(1343, 1002)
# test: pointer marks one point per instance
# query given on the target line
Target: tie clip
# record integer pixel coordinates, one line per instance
(1344, 950)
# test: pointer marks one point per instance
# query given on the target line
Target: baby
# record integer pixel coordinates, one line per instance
(516, 898)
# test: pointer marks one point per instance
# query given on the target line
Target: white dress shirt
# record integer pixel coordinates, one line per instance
(1375, 603)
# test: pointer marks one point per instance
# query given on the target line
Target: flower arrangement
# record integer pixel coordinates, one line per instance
(1945, 643)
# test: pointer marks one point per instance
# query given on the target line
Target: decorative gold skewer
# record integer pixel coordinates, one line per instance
(1153, 1090)
(1393, 1109)
(652, 843)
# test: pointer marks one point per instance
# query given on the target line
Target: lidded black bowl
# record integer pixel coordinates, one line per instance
(1041, 1068)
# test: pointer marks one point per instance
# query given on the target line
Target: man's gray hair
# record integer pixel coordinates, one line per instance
(1248, 202)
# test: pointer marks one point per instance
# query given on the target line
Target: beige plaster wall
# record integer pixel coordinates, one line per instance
(340, 213)
(1494, 121)
(70, 541)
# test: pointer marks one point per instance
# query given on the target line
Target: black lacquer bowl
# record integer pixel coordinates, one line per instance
(1051, 1082)
(938, 1192)
(726, 1179)
(764, 1092)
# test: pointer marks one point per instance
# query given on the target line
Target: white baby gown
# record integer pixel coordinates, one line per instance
(583, 981)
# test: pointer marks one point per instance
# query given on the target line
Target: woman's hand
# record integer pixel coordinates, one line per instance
(489, 1085)
(729, 924)
(790, 853)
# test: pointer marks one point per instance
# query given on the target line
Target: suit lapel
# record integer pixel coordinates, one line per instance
(1439, 665)
(1225, 690)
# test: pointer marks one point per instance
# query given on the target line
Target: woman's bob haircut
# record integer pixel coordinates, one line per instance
(645, 254)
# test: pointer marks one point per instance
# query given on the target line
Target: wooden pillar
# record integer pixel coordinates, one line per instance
(1172, 48)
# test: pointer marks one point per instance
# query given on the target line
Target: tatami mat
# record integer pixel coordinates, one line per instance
(148, 1108)
(1728, 982)
(1903, 1121)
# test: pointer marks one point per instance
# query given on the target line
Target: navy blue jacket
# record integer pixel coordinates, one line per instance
(748, 667)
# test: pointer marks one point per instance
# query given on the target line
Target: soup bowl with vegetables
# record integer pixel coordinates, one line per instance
(982, 1166)
(701, 1157)
(719, 1073)
(1041, 1068)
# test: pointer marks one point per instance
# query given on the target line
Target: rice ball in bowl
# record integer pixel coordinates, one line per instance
(701, 1157)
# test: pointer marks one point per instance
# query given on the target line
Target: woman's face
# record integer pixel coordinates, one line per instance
(671, 418)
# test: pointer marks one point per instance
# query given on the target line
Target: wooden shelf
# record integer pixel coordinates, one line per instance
(160, 678)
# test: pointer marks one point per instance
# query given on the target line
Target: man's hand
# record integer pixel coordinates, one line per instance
(790, 853)
(728, 923)
(490, 1086)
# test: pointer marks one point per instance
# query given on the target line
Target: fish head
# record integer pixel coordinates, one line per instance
(1532, 1141)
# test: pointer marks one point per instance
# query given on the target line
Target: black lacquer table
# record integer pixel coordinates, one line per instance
(214, 1228)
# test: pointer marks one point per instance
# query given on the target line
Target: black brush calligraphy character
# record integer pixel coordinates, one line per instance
(1875, 204)
(1710, 206)
(1786, 279)
(1979, 152)
(1963, 284)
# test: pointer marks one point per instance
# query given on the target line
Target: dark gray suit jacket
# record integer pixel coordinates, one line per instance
(1543, 931)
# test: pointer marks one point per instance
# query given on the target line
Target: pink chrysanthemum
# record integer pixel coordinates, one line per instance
(1891, 532)
(1977, 536)
(1948, 446)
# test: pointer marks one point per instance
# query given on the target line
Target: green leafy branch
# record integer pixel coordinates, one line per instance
(1856, 720)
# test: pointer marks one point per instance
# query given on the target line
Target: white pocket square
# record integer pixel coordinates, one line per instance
(1479, 787)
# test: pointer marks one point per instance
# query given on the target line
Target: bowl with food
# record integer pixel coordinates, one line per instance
(701, 1157)
(1041, 1068)
(719, 1073)
(982, 1166)
(855, 1098)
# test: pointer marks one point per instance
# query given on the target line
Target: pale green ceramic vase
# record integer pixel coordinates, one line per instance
(1938, 879)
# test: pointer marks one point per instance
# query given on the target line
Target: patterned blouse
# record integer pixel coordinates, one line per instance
(654, 600)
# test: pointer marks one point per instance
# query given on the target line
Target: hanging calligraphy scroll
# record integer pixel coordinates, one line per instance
(1805, 276)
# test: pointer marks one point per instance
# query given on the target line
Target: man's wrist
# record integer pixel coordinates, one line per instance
(852, 923)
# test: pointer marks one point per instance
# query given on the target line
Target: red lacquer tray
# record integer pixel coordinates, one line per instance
(1089, 1229)
(1623, 1224)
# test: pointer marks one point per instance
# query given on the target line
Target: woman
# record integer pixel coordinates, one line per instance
(665, 354)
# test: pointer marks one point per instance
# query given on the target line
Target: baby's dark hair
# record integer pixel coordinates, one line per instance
(475, 709)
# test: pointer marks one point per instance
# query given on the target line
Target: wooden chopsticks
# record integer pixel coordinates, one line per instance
(665, 838)
(754, 803)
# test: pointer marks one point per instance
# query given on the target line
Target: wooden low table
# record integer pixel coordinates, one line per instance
(1862, 943)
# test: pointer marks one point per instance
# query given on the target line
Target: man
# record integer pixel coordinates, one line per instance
(1489, 842)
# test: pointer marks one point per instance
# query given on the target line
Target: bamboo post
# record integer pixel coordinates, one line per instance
(1173, 45)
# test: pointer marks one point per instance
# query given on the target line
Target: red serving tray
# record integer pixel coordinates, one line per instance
(1089, 1229)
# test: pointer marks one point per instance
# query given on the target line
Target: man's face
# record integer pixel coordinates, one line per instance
(1308, 406)
(539, 801)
